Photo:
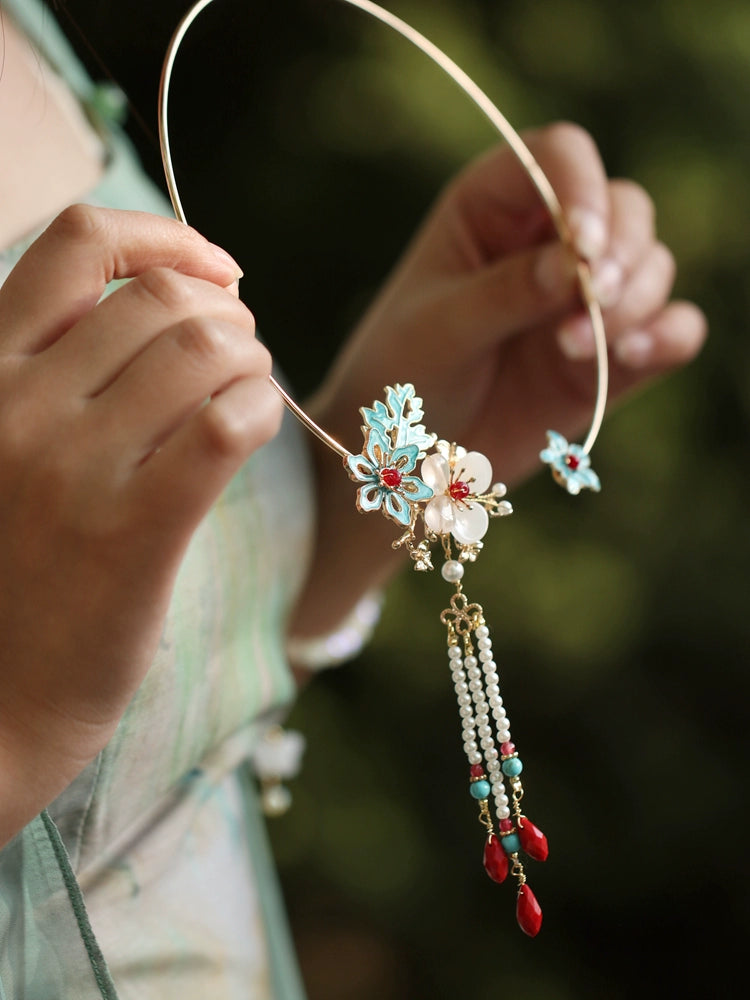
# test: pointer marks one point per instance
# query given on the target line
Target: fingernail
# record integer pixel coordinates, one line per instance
(634, 349)
(576, 339)
(588, 231)
(555, 268)
(227, 260)
(606, 280)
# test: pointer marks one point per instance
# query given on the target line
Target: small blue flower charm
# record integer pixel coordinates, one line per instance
(570, 464)
(384, 472)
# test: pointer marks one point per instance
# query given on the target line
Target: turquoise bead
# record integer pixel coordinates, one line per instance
(512, 767)
(511, 843)
(480, 789)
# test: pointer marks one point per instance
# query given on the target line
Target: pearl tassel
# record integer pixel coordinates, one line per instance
(491, 755)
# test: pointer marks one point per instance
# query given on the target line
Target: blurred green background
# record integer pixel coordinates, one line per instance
(309, 141)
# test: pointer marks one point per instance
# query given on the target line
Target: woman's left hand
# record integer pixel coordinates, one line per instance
(484, 313)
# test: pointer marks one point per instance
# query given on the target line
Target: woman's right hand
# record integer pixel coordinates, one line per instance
(121, 421)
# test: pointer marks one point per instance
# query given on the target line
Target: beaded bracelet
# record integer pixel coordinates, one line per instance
(442, 498)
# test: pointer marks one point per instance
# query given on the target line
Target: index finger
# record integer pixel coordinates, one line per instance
(573, 165)
(499, 201)
(65, 272)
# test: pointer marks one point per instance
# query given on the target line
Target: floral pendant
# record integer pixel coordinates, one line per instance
(449, 500)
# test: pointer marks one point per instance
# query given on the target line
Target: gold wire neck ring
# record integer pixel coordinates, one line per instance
(496, 119)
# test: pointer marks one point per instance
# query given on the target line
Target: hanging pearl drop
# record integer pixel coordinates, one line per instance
(452, 571)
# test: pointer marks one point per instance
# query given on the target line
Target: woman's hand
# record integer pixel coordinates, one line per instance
(120, 422)
(484, 313)
(484, 316)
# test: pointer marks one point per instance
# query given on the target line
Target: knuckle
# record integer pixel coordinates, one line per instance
(234, 431)
(202, 338)
(262, 359)
(80, 223)
(225, 431)
(164, 286)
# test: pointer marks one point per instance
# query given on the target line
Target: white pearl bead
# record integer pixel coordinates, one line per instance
(485, 655)
(470, 661)
(475, 685)
(493, 688)
(471, 746)
(454, 652)
(496, 703)
(464, 700)
(487, 743)
(452, 571)
(482, 632)
(489, 667)
(475, 674)
(493, 764)
(503, 736)
(499, 490)
(481, 706)
(466, 712)
(461, 687)
(484, 643)
(492, 756)
(484, 732)
(482, 718)
(502, 801)
(503, 813)
(276, 800)
(475, 757)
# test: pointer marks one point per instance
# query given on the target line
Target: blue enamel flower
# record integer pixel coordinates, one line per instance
(384, 473)
(570, 464)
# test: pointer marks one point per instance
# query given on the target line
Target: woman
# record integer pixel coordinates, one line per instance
(157, 549)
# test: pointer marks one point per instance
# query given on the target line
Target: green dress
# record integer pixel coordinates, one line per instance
(161, 836)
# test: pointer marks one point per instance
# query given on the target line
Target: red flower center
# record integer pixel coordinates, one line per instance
(572, 462)
(459, 490)
(391, 478)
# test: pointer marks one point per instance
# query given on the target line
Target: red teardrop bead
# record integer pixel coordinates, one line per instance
(532, 840)
(528, 912)
(495, 859)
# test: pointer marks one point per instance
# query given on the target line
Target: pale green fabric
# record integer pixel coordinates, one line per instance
(161, 835)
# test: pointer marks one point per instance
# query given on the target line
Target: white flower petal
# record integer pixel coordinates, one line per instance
(439, 515)
(471, 523)
(436, 473)
(446, 448)
(475, 470)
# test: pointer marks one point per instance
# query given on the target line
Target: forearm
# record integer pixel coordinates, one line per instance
(352, 553)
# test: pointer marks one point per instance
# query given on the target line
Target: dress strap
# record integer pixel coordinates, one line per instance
(47, 946)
